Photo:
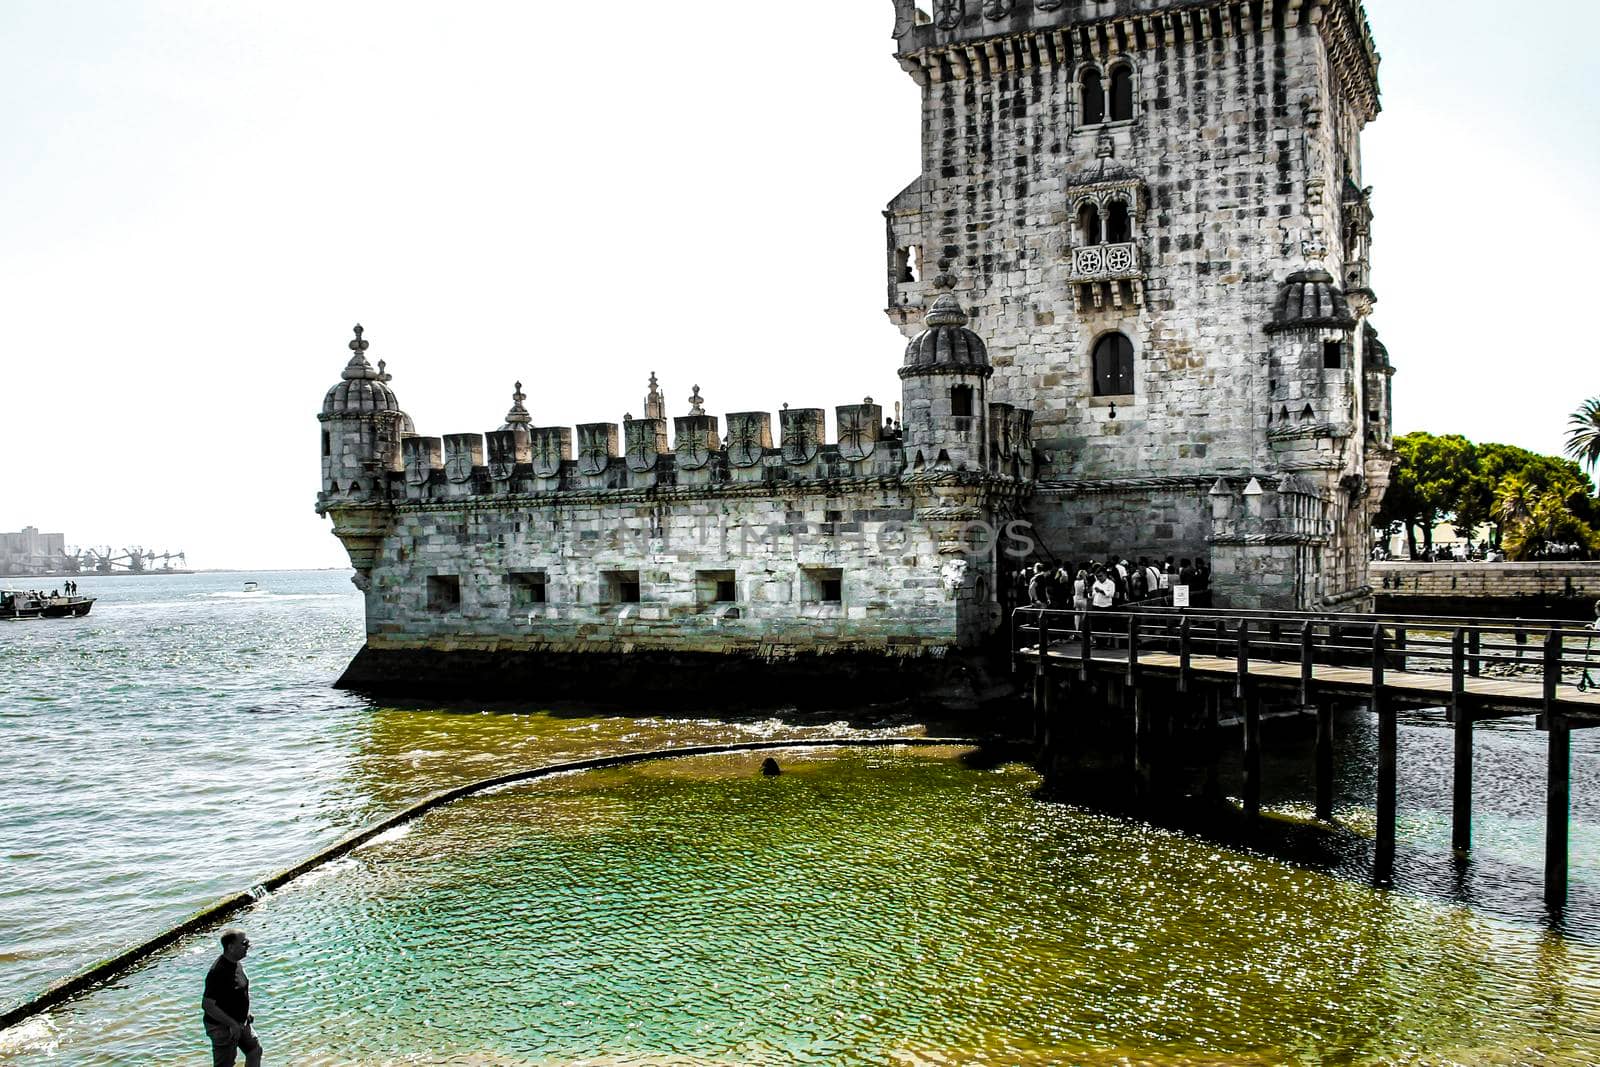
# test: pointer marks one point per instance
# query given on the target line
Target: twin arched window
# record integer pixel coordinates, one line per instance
(1113, 366)
(1115, 228)
(1094, 96)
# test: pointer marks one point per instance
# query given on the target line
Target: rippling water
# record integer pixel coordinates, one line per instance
(182, 742)
(862, 908)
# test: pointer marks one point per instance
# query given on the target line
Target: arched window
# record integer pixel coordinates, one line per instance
(1122, 93)
(1094, 98)
(1119, 223)
(1089, 225)
(1113, 366)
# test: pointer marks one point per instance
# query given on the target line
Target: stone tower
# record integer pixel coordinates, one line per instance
(1153, 212)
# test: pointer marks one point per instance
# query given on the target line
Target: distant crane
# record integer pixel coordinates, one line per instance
(133, 560)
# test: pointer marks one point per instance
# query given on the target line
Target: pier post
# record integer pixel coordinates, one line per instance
(1185, 651)
(1461, 719)
(1558, 790)
(1388, 745)
(1252, 727)
(1086, 648)
(1555, 815)
(1042, 702)
(1323, 753)
(1211, 788)
(1143, 767)
(1324, 760)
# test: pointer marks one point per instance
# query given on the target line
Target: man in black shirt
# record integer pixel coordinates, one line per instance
(225, 1006)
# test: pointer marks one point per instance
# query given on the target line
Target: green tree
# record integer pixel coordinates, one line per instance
(1583, 434)
(1431, 480)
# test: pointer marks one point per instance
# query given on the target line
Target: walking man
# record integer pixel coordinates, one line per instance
(226, 1005)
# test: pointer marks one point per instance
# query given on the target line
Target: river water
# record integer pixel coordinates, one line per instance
(864, 907)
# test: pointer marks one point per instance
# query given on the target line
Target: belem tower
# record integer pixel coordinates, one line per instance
(1134, 279)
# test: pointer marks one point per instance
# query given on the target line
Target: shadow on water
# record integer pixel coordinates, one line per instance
(1502, 876)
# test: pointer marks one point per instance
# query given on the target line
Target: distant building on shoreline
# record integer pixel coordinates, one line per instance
(28, 552)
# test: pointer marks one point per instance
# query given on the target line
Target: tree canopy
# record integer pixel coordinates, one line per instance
(1531, 502)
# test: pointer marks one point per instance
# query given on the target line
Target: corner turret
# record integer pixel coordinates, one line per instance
(362, 427)
(944, 383)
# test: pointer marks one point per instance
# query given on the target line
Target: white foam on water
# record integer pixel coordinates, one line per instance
(36, 1035)
(389, 836)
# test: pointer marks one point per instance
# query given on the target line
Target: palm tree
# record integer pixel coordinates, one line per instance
(1514, 501)
(1583, 433)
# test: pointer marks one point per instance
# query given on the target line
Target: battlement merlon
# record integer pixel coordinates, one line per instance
(937, 40)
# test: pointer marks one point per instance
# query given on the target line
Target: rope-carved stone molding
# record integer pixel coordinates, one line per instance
(1270, 539)
(1130, 485)
(213, 915)
(1004, 486)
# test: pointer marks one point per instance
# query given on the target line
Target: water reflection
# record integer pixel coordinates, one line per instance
(860, 908)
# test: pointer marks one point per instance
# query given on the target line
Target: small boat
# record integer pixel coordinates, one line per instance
(67, 607)
(251, 587)
(19, 605)
(15, 604)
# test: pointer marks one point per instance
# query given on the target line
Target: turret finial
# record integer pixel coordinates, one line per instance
(518, 415)
(358, 369)
(383, 374)
(655, 405)
(696, 403)
(946, 311)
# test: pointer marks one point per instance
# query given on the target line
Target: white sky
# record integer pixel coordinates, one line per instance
(198, 200)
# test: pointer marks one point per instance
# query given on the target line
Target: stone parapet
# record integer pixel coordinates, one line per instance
(1493, 580)
(986, 38)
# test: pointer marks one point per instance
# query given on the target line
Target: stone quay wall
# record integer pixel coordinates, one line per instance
(1492, 580)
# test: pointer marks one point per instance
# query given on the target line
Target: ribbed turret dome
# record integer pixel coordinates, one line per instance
(947, 344)
(362, 389)
(1311, 298)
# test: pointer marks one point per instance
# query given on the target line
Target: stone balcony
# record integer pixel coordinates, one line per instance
(1108, 273)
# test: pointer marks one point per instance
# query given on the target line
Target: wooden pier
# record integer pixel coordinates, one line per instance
(1475, 669)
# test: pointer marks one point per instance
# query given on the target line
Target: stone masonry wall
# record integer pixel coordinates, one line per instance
(903, 590)
(1158, 520)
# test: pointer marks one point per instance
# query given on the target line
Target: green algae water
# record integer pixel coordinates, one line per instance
(184, 741)
(864, 907)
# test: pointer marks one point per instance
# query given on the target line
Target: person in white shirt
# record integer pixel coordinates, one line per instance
(1103, 593)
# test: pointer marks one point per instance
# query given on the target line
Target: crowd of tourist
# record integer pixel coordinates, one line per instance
(1111, 584)
(1464, 552)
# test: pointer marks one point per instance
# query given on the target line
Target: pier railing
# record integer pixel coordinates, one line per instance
(1473, 668)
